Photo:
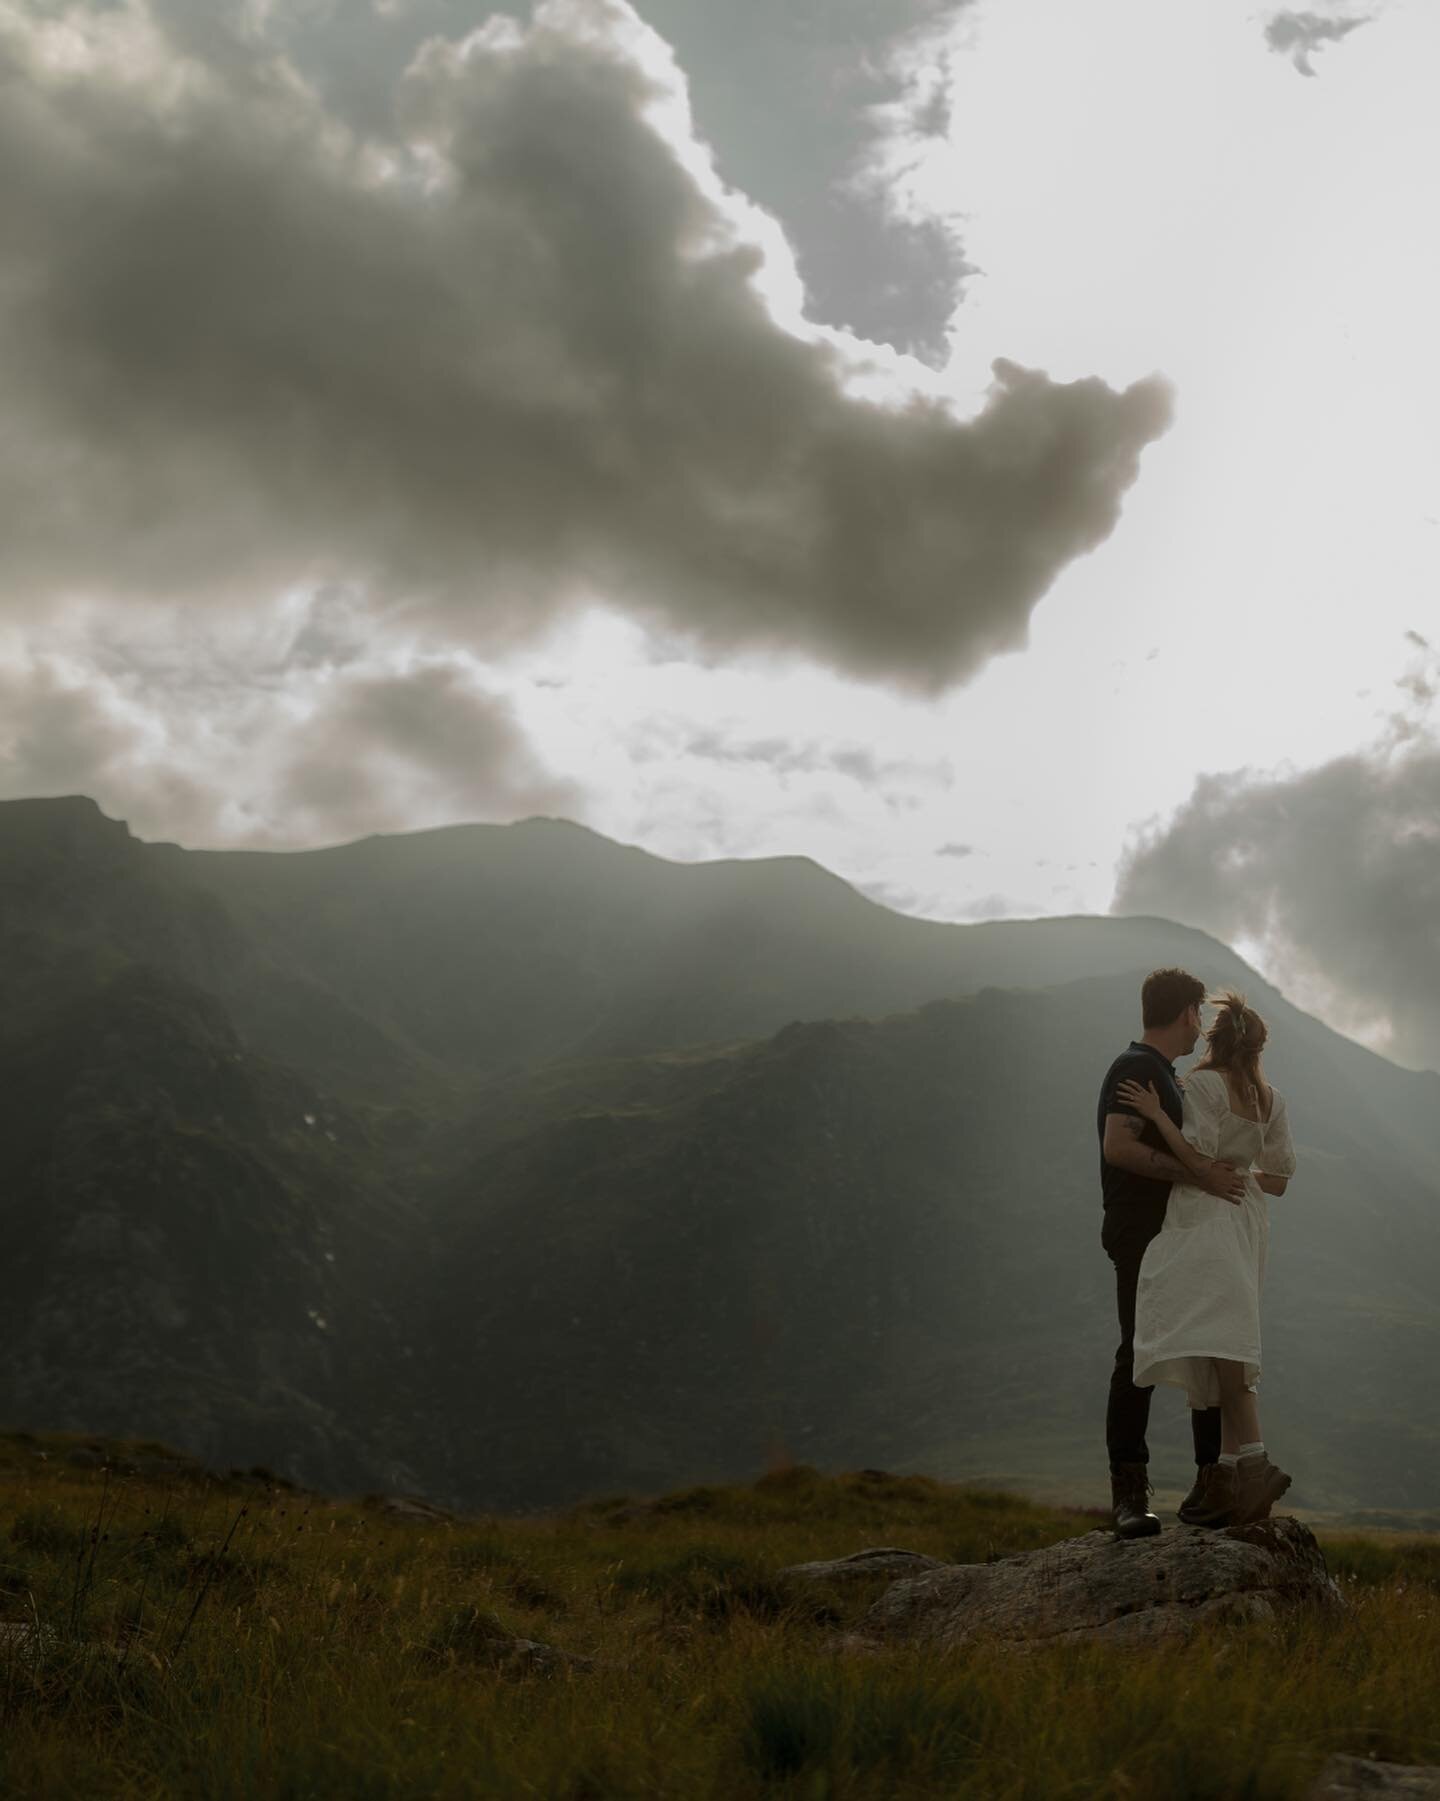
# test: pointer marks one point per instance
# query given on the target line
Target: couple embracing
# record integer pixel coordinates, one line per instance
(1186, 1168)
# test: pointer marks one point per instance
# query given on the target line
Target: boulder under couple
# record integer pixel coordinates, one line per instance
(1187, 1168)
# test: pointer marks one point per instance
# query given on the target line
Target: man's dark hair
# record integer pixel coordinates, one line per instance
(1166, 993)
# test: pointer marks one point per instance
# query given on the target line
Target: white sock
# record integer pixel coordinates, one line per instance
(1255, 1450)
(1229, 1459)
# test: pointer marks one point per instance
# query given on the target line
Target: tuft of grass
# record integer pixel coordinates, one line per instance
(472, 1554)
(1375, 1562)
(796, 1718)
(469, 1633)
(712, 1583)
(48, 1529)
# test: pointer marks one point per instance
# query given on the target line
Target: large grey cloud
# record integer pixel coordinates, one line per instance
(511, 358)
(1332, 875)
(1299, 35)
(814, 108)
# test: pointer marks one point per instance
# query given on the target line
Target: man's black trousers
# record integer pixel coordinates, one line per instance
(1128, 1412)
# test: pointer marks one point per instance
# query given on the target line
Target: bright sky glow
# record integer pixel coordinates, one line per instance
(1145, 187)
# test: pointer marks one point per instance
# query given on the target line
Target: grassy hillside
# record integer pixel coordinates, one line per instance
(233, 1637)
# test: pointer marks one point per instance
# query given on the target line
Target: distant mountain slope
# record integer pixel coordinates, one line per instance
(384, 966)
(494, 947)
(80, 899)
(878, 1241)
(193, 1236)
(610, 1200)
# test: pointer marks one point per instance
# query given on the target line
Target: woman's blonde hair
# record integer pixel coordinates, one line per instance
(1234, 1042)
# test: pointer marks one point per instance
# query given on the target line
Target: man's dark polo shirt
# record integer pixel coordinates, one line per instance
(1135, 1205)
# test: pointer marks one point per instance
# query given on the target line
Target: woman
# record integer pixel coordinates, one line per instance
(1197, 1307)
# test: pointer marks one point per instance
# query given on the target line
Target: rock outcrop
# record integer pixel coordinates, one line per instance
(1351, 1778)
(412, 1507)
(886, 1560)
(1092, 1588)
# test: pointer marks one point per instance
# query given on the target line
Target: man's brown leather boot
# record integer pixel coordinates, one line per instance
(1129, 1486)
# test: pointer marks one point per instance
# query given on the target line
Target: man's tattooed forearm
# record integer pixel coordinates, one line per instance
(1145, 1160)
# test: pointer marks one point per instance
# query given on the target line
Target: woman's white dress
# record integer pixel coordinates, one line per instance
(1200, 1279)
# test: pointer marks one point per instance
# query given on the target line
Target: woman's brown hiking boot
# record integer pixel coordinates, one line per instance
(1259, 1486)
(1217, 1503)
(1196, 1496)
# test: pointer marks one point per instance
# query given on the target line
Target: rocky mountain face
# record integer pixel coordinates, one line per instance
(509, 1164)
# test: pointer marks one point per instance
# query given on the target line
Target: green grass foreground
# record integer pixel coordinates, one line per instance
(237, 1638)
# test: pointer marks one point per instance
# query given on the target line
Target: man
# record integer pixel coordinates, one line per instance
(1136, 1172)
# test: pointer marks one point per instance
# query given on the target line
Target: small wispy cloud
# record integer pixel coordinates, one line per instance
(1300, 35)
(666, 737)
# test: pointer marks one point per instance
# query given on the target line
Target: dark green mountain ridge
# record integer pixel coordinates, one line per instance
(484, 948)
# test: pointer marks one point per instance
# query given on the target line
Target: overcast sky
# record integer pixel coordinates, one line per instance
(992, 449)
